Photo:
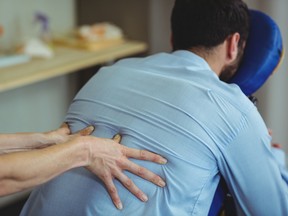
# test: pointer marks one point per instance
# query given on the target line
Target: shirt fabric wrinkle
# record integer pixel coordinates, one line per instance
(175, 105)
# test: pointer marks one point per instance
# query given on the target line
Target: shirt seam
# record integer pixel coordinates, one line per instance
(198, 197)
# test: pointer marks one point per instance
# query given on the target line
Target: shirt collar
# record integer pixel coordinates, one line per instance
(190, 56)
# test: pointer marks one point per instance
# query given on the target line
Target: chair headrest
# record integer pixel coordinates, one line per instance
(262, 55)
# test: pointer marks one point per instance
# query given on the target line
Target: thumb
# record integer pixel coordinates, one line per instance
(117, 138)
(86, 131)
(65, 128)
(64, 125)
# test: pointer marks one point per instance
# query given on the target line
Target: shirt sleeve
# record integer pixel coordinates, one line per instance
(252, 173)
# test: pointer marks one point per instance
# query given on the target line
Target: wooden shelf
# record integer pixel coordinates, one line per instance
(66, 60)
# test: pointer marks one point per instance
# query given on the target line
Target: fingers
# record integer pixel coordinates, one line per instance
(143, 173)
(129, 184)
(140, 154)
(64, 126)
(117, 138)
(144, 155)
(113, 192)
(86, 131)
(276, 145)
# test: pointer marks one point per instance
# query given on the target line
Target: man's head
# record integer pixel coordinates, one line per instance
(206, 24)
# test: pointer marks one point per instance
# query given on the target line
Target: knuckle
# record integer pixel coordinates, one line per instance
(156, 179)
(124, 150)
(128, 183)
(156, 158)
(139, 193)
(105, 176)
(121, 162)
(143, 154)
(112, 190)
(141, 171)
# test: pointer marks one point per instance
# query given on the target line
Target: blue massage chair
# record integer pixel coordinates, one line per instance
(262, 56)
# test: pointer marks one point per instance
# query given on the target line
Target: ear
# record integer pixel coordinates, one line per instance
(232, 47)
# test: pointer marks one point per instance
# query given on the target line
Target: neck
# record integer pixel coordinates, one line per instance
(211, 56)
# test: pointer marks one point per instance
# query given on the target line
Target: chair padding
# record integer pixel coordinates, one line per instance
(262, 54)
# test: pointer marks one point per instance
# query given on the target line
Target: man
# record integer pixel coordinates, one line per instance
(176, 105)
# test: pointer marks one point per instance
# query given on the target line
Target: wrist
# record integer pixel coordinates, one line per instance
(44, 139)
(60, 135)
(35, 140)
(82, 149)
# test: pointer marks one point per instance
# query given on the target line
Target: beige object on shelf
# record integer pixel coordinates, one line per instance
(65, 61)
(87, 45)
(92, 37)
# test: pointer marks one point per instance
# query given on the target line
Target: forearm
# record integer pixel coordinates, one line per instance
(24, 170)
(24, 141)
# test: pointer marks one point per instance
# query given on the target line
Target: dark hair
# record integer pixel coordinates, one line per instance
(207, 23)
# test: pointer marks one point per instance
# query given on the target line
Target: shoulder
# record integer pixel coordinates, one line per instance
(235, 112)
(232, 94)
(153, 59)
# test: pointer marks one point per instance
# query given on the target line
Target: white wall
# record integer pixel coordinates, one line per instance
(41, 106)
(159, 25)
(17, 17)
(38, 107)
(273, 102)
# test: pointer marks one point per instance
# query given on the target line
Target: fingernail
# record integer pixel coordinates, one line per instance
(163, 161)
(144, 198)
(117, 138)
(91, 128)
(119, 206)
(161, 183)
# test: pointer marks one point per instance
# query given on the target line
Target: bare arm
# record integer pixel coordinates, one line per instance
(23, 170)
(104, 157)
(28, 141)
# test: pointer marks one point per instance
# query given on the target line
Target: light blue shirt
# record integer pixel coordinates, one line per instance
(175, 105)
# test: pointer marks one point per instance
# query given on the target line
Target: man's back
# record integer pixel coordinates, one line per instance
(171, 104)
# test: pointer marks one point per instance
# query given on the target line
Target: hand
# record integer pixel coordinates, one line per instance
(63, 134)
(108, 159)
(274, 145)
